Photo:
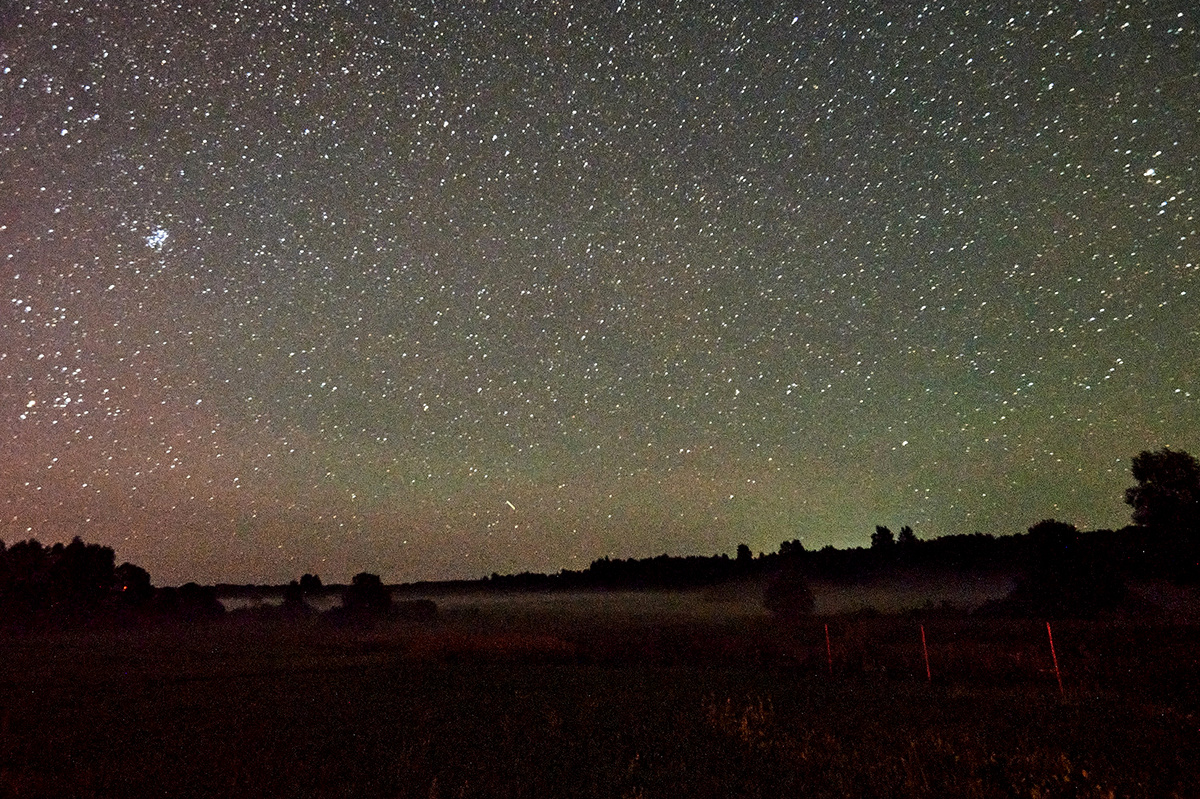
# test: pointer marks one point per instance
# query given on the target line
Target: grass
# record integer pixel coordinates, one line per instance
(538, 705)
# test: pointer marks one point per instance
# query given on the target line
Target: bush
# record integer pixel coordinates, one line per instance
(1065, 577)
(787, 595)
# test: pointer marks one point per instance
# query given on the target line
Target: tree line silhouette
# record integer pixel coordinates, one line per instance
(1063, 571)
(77, 582)
(65, 585)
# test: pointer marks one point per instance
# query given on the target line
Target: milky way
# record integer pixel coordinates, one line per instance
(439, 291)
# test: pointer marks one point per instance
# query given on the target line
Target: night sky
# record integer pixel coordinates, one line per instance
(438, 291)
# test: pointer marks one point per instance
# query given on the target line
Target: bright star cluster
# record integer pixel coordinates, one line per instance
(435, 290)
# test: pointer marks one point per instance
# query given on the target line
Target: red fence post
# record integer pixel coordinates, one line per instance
(925, 649)
(1054, 655)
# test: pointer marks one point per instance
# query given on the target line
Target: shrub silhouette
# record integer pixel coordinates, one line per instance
(787, 595)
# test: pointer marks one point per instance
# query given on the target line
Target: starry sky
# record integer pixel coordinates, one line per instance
(437, 290)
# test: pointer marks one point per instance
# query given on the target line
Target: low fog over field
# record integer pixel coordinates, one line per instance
(886, 594)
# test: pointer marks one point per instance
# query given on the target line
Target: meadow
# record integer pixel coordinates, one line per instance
(661, 695)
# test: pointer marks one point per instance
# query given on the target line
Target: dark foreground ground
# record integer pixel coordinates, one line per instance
(483, 706)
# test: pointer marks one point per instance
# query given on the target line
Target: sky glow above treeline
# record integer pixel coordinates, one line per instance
(440, 290)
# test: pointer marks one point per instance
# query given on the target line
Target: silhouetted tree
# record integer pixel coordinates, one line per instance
(882, 539)
(1166, 505)
(744, 555)
(81, 575)
(133, 585)
(1167, 496)
(790, 548)
(366, 593)
(787, 595)
(1065, 577)
(24, 586)
(907, 537)
(310, 584)
(65, 582)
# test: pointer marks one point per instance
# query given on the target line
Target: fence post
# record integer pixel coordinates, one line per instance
(925, 649)
(1054, 655)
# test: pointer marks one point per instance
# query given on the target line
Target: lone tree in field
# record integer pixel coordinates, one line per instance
(367, 594)
(787, 595)
(1166, 503)
(310, 584)
(1065, 576)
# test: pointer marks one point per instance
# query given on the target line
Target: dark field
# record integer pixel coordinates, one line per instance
(497, 701)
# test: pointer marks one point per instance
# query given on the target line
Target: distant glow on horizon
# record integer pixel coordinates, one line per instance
(324, 287)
